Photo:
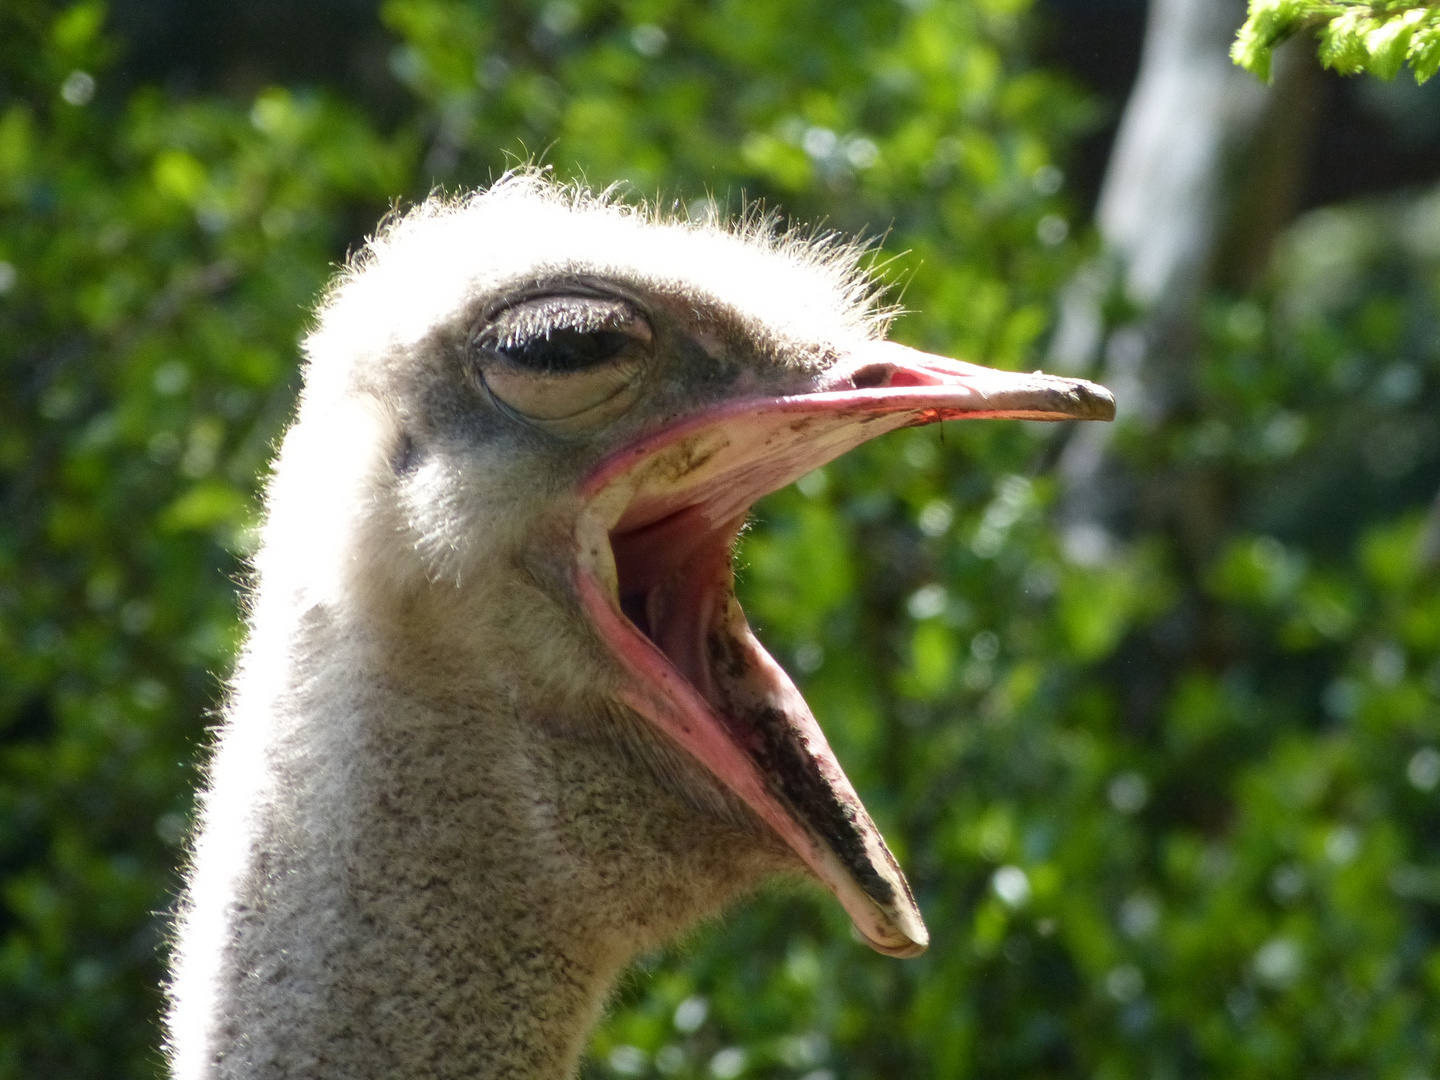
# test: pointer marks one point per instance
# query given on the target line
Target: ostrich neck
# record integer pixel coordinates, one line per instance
(417, 877)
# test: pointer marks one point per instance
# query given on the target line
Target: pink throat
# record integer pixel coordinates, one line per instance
(703, 678)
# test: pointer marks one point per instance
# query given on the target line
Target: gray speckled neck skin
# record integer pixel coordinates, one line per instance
(438, 888)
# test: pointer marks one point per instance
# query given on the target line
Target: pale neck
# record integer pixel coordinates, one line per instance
(400, 903)
(404, 876)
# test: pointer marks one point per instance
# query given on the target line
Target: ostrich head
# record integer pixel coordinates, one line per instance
(555, 413)
(500, 721)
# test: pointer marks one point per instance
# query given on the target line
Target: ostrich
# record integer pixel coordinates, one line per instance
(500, 723)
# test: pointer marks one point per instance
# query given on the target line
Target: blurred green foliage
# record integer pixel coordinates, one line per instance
(156, 259)
(1169, 804)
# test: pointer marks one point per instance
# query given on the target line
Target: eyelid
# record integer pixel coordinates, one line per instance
(562, 400)
(557, 396)
(505, 329)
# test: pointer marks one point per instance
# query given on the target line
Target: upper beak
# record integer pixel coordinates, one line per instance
(654, 542)
(753, 446)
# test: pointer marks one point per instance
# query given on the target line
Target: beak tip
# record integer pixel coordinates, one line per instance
(901, 934)
(1092, 401)
(904, 950)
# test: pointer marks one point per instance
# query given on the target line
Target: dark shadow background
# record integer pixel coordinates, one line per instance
(1371, 137)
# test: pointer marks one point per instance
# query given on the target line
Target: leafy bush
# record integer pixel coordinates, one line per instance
(1169, 804)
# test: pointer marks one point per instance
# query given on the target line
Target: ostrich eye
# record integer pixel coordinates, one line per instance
(564, 362)
(562, 349)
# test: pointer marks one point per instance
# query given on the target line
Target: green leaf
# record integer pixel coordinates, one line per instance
(1373, 37)
(1424, 53)
(1389, 43)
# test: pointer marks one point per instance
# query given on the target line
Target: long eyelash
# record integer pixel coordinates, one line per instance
(556, 334)
(540, 318)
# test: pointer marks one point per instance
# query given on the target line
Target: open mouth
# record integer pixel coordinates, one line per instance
(654, 572)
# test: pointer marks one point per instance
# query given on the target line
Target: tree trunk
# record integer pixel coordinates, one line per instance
(1206, 170)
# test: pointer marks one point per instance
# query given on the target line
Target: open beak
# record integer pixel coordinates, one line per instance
(654, 572)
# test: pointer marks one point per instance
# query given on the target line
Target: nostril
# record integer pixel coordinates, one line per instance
(872, 375)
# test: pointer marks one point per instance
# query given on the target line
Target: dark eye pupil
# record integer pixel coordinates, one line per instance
(562, 334)
(563, 349)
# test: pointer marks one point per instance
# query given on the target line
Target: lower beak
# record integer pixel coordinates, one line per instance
(654, 573)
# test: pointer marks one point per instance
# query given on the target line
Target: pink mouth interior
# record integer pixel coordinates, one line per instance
(676, 588)
(738, 710)
(673, 581)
